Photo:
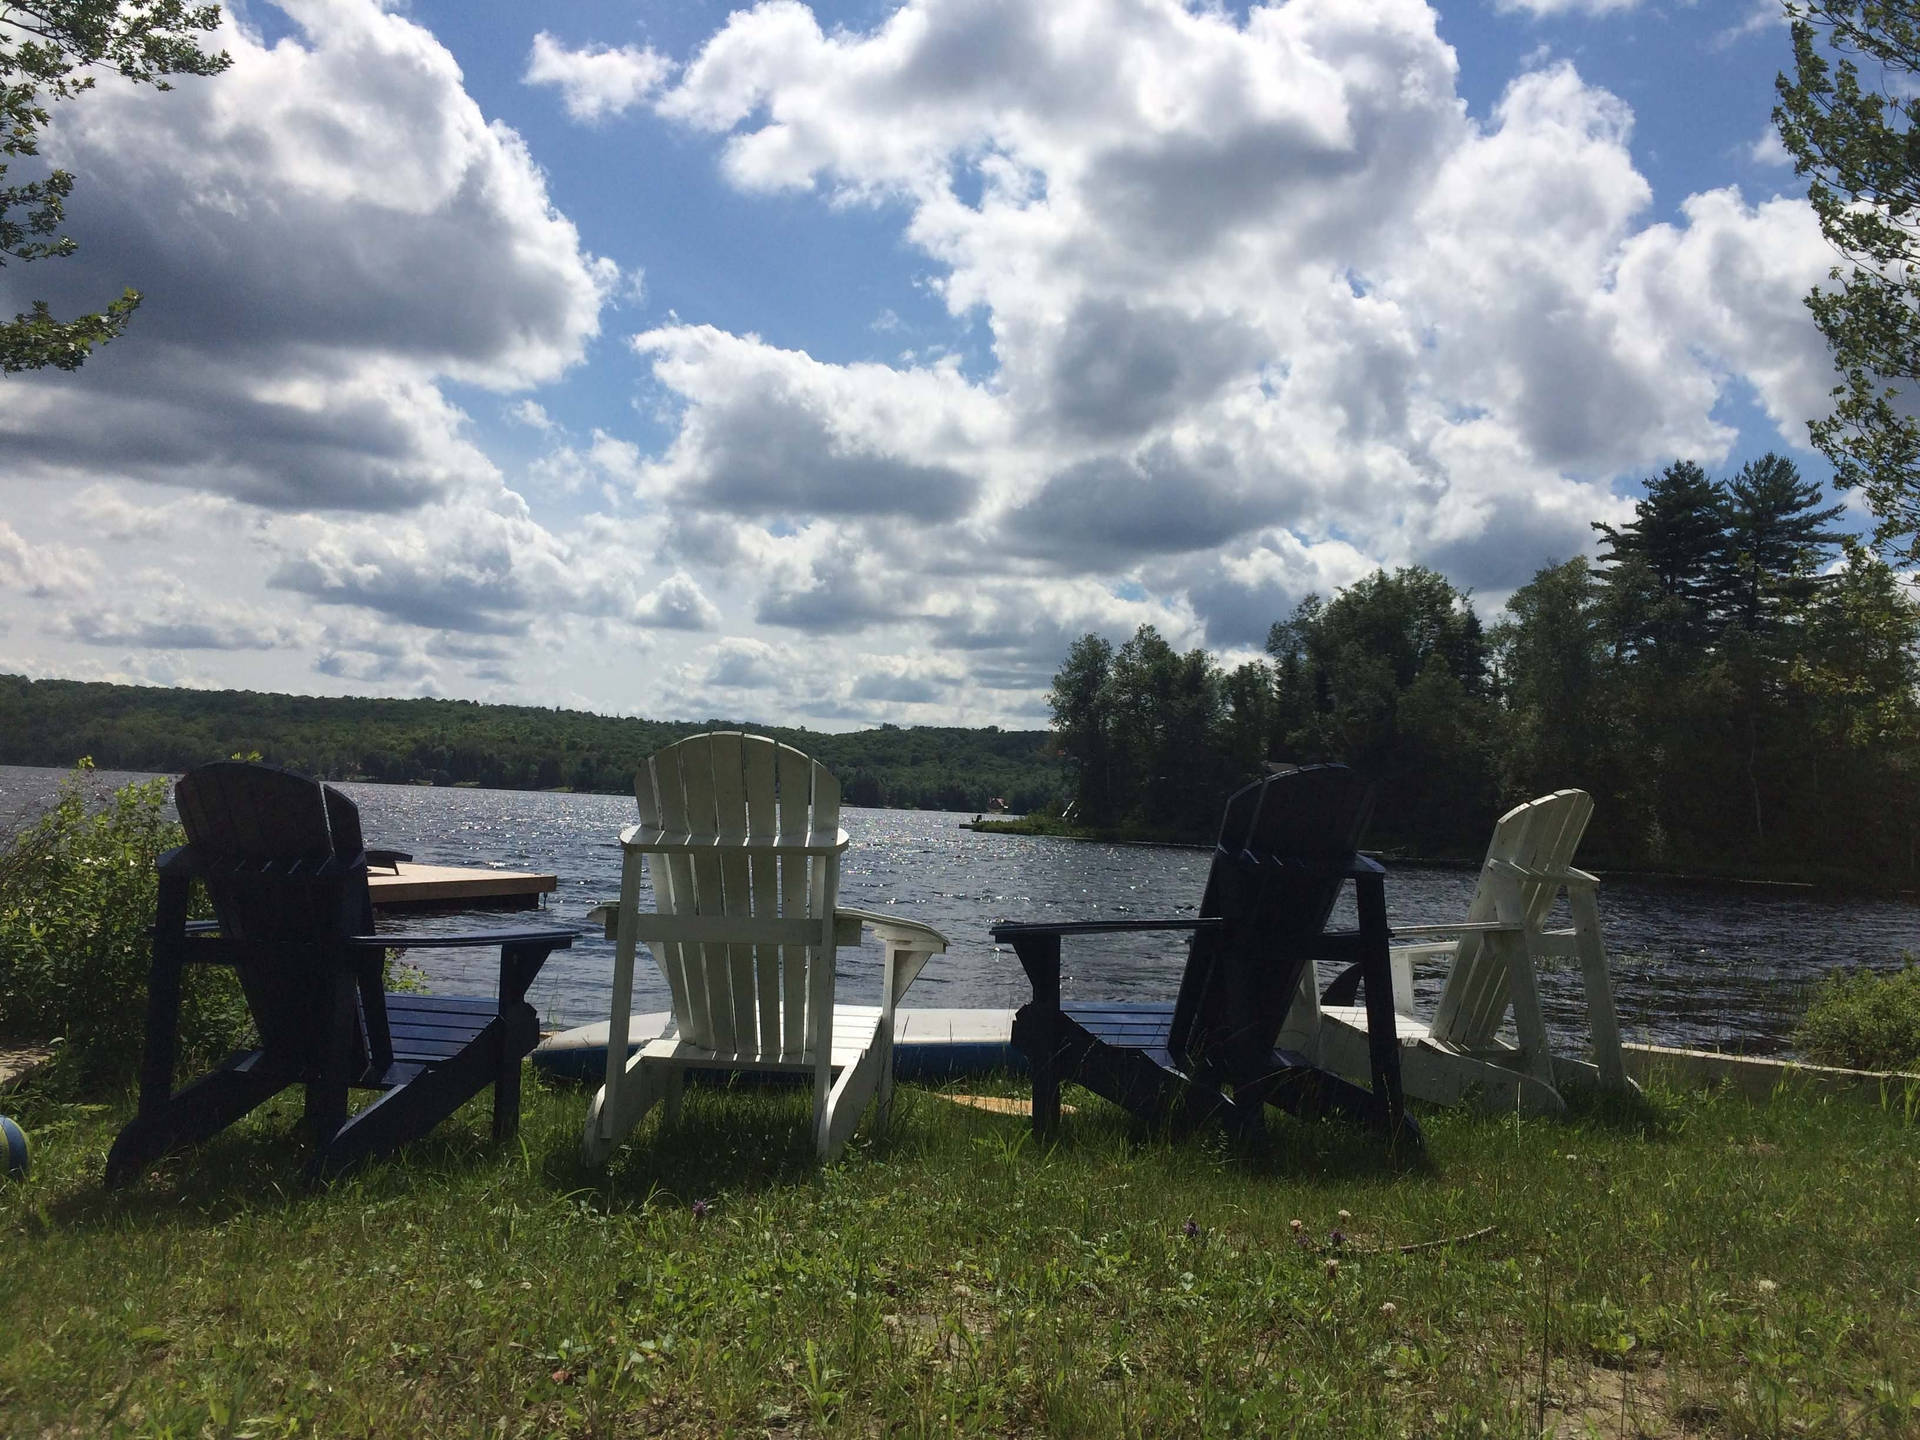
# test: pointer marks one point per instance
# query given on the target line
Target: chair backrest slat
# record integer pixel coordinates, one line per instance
(740, 812)
(736, 893)
(673, 894)
(1540, 835)
(796, 799)
(757, 755)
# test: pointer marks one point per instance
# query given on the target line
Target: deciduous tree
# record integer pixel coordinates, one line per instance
(52, 51)
(1846, 115)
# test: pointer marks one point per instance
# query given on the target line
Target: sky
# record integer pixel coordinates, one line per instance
(839, 366)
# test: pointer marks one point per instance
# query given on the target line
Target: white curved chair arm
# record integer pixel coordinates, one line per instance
(1567, 875)
(909, 945)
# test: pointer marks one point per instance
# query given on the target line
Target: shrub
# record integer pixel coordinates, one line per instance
(1865, 1019)
(77, 892)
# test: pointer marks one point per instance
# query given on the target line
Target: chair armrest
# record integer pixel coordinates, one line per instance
(390, 859)
(1578, 879)
(909, 945)
(522, 952)
(556, 938)
(1013, 931)
(1477, 927)
(1426, 950)
(180, 861)
(893, 931)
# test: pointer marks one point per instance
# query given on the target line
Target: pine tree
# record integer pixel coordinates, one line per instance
(1677, 535)
(1775, 541)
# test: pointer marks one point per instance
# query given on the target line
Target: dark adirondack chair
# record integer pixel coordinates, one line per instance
(283, 860)
(1287, 845)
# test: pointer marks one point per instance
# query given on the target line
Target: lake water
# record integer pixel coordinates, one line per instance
(1713, 966)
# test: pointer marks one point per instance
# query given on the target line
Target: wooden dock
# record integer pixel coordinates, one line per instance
(426, 887)
(937, 1045)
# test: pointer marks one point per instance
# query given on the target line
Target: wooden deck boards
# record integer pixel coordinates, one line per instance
(422, 886)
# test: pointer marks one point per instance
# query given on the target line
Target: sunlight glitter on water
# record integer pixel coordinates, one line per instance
(1716, 967)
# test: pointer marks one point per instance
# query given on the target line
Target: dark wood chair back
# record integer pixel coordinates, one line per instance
(284, 863)
(1287, 844)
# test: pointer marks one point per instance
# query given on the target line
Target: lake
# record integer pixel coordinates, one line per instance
(1714, 966)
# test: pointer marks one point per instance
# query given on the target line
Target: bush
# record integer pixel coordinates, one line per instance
(77, 893)
(1865, 1019)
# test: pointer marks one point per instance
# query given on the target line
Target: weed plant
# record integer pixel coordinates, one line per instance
(1864, 1019)
(1699, 1266)
(77, 892)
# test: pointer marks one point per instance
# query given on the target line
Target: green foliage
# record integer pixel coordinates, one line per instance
(1140, 732)
(1853, 135)
(1164, 713)
(1391, 676)
(1734, 701)
(1865, 1020)
(506, 747)
(1677, 542)
(49, 51)
(77, 896)
(1773, 541)
(1079, 701)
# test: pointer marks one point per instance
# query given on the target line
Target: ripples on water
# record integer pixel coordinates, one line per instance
(1718, 967)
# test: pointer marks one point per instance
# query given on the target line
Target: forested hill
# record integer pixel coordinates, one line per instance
(511, 747)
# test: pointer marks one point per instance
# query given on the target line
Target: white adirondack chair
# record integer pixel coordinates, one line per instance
(741, 838)
(1458, 1052)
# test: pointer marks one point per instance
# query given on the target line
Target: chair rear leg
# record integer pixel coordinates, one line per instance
(518, 1032)
(506, 1097)
(197, 1113)
(673, 1084)
(326, 1110)
(1383, 1041)
(617, 1107)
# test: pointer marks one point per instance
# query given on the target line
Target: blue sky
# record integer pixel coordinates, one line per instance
(841, 365)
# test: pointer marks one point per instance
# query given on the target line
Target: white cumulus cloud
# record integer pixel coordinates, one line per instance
(596, 81)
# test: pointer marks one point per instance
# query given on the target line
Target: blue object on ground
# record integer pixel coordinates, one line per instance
(19, 1163)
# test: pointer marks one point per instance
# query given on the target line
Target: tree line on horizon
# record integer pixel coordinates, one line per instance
(1732, 680)
(507, 747)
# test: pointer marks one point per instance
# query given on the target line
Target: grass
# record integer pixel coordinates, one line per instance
(1701, 1266)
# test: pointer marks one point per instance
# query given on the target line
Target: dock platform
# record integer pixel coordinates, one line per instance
(947, 1044)
(426, 887)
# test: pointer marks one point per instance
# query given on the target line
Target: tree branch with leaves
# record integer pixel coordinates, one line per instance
(53, 51)
(1847, 115)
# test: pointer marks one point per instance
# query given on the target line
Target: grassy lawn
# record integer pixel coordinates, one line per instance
(1707, 1267)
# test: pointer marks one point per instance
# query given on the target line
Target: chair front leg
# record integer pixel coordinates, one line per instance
(518, 1031)
(890, 971)
(326, 1108)
(1383, 1039)
(603, 1119)
(163, 994)
(1040, 958)
(1594, 971)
